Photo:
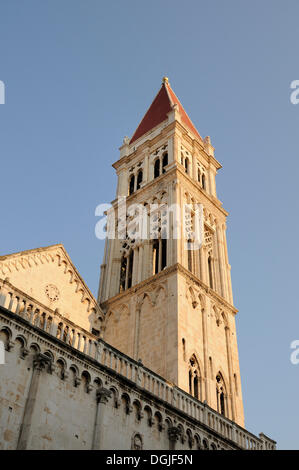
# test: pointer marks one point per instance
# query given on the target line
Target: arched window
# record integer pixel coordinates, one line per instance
(184, 348)
(164, 162)
(203, 182)
(198, 176)
(210, 272)
(157, 168)
(131, 184)
(221, 394)
(139, 179)
(222, 405)
(194, 378)
(137, 443)
(186, 165)
(123, 274)
(236, 384)
(130, 269)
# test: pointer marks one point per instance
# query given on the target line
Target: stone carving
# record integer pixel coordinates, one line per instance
(174, 433)
(52, 292)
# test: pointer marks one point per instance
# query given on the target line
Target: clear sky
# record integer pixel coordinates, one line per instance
(79, 75)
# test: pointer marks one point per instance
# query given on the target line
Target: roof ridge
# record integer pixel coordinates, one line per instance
(158, 110)
(26, 252)
(186, 114)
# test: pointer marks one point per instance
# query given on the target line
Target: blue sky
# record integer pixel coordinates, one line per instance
(79, 75)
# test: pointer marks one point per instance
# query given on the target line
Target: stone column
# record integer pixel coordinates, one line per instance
(102, 397)
(194, 166)
(140, 263)
(173, 434)
(146, 166)
(147, 260)
(136, 330)
(205, 352)
(39, 364)
(228, 274)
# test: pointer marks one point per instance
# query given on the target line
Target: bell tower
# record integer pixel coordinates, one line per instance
(167, 304)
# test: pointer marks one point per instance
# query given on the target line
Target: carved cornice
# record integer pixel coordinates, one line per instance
(174, 433)
(103, 395)
(147, 284)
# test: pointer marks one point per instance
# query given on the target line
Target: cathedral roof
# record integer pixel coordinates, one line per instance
(158, 110)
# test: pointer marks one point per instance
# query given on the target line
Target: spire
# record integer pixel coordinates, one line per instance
(158, 110)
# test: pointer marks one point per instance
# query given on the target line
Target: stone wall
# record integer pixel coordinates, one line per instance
(53, 396)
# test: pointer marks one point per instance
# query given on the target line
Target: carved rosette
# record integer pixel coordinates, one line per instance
(52, 292)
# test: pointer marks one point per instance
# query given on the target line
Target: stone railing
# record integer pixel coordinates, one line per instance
(48, 320)
(55, 324)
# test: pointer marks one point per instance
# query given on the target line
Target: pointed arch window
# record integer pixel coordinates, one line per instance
(157, 168)
(195, 385)
(139, 179)
(186, 165)
(203, 181)
(131, 184)
(164, 162)
(221, 395)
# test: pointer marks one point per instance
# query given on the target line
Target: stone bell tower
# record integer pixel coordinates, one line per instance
(165, 304)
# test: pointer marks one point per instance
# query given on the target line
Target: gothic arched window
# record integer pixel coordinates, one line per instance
(221, 394)
(198, 176)
(194, 378)
(137, 443)
(131, 184)
(139, 179)
(164, 162)
(157, 168)
(203, 182)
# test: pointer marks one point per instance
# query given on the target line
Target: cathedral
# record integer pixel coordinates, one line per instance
(152, 363)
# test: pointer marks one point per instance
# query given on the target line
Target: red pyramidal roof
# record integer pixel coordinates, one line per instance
(157, 112)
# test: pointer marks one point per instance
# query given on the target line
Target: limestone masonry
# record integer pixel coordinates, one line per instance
(153, 363)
